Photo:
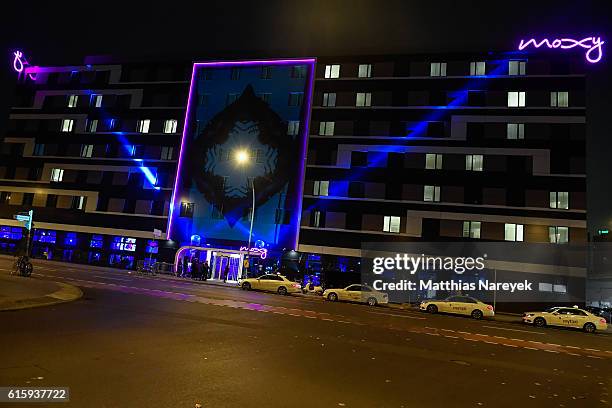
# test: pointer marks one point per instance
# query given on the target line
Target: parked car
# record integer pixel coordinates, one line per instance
(271, 283)
(462, 305)
(357, 293)
(573, 317)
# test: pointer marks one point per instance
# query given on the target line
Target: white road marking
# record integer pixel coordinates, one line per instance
(399, 315)
(516, 330)
(111, 278)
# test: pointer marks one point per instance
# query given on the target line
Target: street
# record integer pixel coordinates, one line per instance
(134, 341)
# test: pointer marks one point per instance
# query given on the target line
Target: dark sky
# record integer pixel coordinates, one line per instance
(58, 32)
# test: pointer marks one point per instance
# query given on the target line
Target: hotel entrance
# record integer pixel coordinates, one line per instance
(220, 260)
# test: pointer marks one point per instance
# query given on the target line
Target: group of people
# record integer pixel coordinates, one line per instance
(199, 270)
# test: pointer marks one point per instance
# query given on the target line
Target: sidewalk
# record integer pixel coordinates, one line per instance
(17, 292)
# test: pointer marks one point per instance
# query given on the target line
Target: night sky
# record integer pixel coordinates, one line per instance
(62, 33)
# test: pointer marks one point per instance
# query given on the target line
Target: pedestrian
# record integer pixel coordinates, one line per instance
(225, 271)
(195, 269)
(205, 271)
(185, 267)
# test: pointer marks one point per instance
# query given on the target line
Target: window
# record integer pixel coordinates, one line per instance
(111, 124)
(28, 198)
(391, 224)
(57, 175)
(266, 97)
(473, 162)
(166, 152)
(437, 69)
(321, 188)
(204, 99)
(51, 201)
(296, 98)
(39, 149)
(143, 125)
(513, 232)
(559, 200)
(332, 71)
(515, 131)
(231, 98)
(329, 99)
(95, 100)
(316, 219)
(186, 209)
(365, 71)
(545, 287)
(471, 229)
(170, 126)
(92, 125)
(363, 99)
(298, 71)
(87, 150)
(293, 127)
(326, 128)
(477, 68)
(235, 74)
(563, 289)
(516, 99)
(266, 72)
(559, 99)
(78, 203)
(516, 67)
(67, 125)
(558, 235)
(431, 193)
(72, 101)
(433, 161)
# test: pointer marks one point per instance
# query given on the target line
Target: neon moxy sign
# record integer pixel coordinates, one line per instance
(592, 45)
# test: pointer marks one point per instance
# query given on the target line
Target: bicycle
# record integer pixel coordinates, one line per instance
(22, 266)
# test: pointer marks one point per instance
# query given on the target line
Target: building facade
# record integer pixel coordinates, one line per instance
(456, 147)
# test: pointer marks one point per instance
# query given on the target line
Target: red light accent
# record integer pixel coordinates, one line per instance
(489, 307)
(603, 321)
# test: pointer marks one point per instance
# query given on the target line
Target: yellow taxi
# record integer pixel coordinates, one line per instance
(271, 283)
(573, 317)
(463, 305)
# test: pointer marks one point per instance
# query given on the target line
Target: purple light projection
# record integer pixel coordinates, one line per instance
(591, 44)
(310, 86)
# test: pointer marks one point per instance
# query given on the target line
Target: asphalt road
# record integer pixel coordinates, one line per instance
(135, 341)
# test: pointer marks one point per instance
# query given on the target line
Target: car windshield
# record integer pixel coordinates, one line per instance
(552, 309)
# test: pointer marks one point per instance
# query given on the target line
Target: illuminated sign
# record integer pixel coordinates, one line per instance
(261, 252)
(20, 63)
(593, 45)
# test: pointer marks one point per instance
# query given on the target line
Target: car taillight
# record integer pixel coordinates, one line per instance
(295, 285)
(602, 321)
(489, 307)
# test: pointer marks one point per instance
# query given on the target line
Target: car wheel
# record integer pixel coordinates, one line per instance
(432, 309)
(589, 328)
(246, 286)
(282, 290)
(539, 322)
(477, 314)
(332, 297)
(372, 301)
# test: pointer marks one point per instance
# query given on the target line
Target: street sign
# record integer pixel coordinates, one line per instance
(26, 218)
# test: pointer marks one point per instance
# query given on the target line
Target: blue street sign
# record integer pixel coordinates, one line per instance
(26, 218)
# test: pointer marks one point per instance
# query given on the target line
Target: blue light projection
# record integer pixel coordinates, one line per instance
(459, 98)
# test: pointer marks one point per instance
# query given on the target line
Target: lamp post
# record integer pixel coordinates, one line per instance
(242, 158)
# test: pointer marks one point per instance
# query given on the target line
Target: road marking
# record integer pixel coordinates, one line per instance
(516, 330)
(111, 278)
(399, 315)
(574, 347)
(589, 349)
(530, 348)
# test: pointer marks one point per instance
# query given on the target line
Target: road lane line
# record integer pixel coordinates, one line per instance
(399, 315)
(111, 278)
(516, 330)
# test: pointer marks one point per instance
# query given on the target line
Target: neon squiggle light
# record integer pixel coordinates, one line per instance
(20, 63)
(262, 252)
(591, 44)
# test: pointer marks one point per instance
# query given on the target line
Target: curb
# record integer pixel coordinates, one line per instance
(66, 293)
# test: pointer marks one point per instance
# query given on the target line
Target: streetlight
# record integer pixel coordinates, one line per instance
(242, 157)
